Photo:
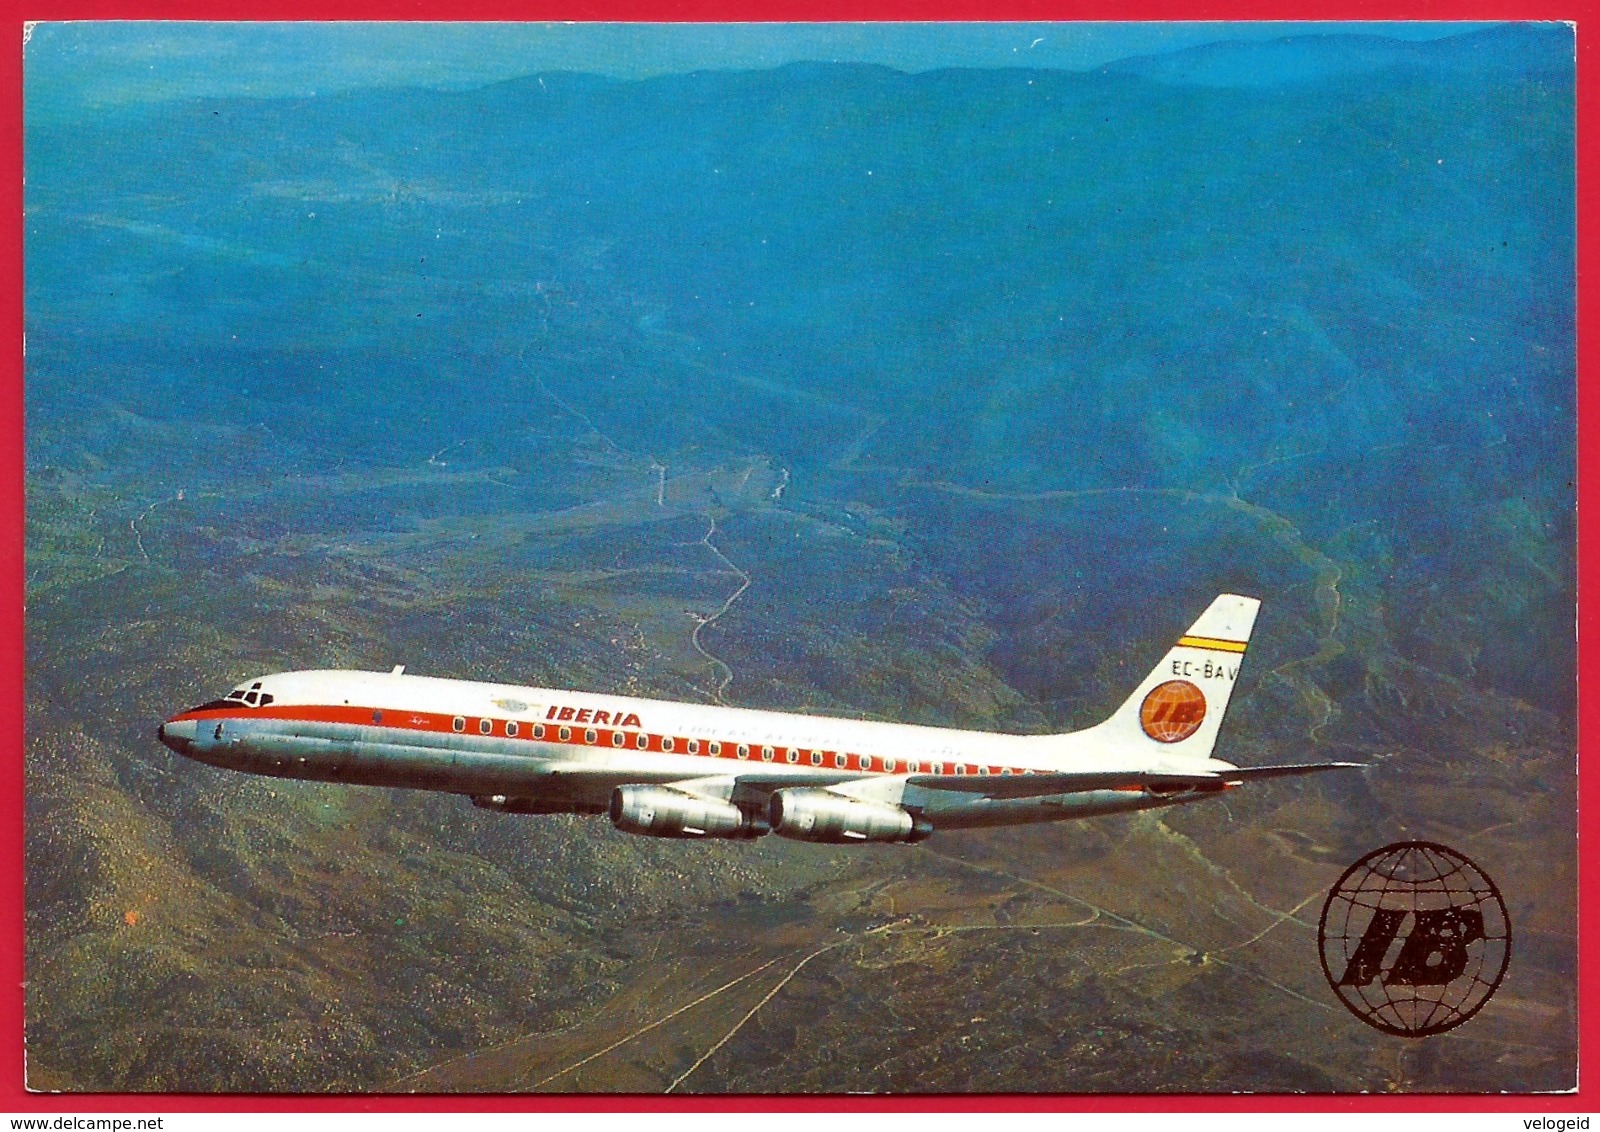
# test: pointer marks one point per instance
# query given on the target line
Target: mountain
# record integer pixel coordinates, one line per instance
(1506, 51)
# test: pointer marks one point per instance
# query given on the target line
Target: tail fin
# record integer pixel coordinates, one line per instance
(1179, 706)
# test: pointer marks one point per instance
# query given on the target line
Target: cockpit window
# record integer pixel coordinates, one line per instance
(239, 697)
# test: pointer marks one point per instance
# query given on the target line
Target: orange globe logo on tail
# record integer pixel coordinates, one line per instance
(1172, 711)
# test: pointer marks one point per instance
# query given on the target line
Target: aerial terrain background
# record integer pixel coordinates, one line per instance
(940, 395)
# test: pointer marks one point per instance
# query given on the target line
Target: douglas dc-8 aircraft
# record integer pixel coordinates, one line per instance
(691, 770)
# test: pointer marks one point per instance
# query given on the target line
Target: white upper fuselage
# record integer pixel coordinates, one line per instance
(681, 721)
(668, 728)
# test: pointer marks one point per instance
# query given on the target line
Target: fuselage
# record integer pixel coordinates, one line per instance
(541, 750)
(696, 770)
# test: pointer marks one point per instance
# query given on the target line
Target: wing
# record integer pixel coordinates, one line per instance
(748, 786)
(1077, 781)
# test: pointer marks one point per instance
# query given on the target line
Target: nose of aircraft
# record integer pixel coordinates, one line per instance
(177, 734)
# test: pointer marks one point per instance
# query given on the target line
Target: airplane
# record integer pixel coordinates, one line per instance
(683, 770)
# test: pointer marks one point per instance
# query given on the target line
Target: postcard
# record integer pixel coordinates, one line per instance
(787, 559)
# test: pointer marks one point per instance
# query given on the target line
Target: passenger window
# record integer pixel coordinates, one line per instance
(666, 742)
(960, 769)
(715, 748)
(590, 736)
(816, 758)
(617, 738)
(511, 729)
(983, 770)
(1005, 770)
(485, 726)
(377, 717)
(459, 723)
(538, 731)
(792, 755)
(642, 741)
(841, 760)
(938, 768)
(565, 734)
(743, 750)
(888, 765)
(694, 746)
(865, 761)
(766, 754)
(913, 768)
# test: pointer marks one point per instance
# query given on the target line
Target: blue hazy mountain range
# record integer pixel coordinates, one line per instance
(981, 379)
(1516, 49)
(74, 68)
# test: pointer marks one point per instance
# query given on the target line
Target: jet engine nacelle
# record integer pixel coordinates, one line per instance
(820, 815)
(660, 811)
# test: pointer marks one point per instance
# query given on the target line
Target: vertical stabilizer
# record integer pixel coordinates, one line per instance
(1177, 710)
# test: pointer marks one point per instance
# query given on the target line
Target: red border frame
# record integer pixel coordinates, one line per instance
(14, 1098)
